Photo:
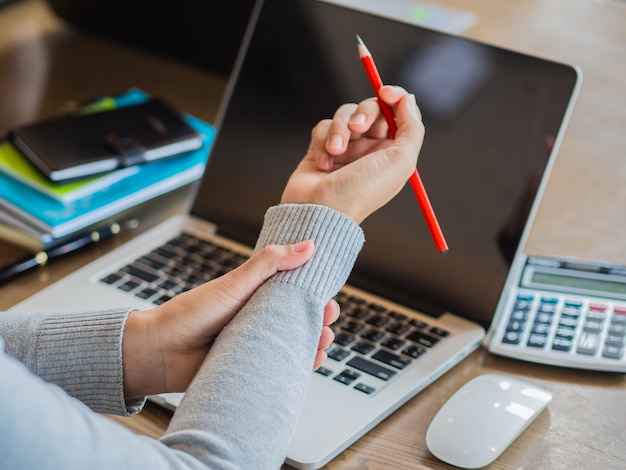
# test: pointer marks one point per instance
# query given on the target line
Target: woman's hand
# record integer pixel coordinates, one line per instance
(352, 165)
(163, 348)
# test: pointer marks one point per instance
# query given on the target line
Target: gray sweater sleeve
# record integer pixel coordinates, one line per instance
(254, 381)
(81, 353)
(242, 408)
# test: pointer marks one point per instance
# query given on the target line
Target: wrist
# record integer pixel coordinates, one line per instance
(140, 357)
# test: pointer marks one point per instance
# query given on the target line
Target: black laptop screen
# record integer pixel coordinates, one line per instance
(490, 117)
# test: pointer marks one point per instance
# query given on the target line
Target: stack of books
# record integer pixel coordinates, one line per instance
(36, 213)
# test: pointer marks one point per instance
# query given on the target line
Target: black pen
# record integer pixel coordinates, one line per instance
(13, 268)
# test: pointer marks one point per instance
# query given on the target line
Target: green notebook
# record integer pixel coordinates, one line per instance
(14, 164)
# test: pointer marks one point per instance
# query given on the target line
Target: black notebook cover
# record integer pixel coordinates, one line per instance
(77, 146)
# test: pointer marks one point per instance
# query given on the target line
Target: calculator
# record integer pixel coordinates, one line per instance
(563, 312)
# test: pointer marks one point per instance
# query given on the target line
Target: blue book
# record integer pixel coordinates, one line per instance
(52, 219)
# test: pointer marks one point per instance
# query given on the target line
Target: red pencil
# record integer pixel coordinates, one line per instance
(414, 180)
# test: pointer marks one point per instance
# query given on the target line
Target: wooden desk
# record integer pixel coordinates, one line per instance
(44, 64)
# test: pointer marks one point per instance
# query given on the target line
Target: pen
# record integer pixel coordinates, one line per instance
(415, 180)
(16, 267)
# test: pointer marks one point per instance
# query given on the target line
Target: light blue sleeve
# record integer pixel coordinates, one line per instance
(42, 427)
(240, 411)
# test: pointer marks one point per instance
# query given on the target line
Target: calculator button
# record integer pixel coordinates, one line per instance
(515, 326)
(541, 329)
(537, 341)
(572, 312)
(567, 333)
(568, 322)
(592, 326)
(588, 344)
(613, 352)
(545, 318)
(525, 297)
(616, 329)
(596, 315)
(512, 337)
(519, 315)
(547, 308)
(614, 340)
(561, 344)
(619, 316)
(597, 307)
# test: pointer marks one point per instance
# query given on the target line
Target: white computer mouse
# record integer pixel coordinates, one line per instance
(482, 418)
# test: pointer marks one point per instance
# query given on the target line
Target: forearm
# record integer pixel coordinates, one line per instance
(241, 410)
(244, 405)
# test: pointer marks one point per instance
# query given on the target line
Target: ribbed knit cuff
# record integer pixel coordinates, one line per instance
(82, 353)
(338, 241)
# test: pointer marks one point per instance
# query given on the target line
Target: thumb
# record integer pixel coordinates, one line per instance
(240, 283)
(270, 260)
(287, 257)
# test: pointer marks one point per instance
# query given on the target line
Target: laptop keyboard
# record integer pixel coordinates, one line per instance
(372, 343)
(175, 267)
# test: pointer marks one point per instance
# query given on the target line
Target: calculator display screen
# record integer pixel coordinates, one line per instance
(589, 284)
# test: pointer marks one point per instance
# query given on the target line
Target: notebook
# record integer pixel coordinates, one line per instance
(493, 121)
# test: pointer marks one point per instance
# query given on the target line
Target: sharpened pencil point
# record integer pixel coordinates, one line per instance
(363, 51)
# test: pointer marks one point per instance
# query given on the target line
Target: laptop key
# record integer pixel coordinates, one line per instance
(324, 371)
(423, 339)
(347, 377)
(338, 354)
(414, 351)
(128, 286)
(140, 273)
(146, 293)
(371, 368)
(165, 253)
(363, 348)
(111, 278)
(391, 359)
(364, 388)
(344, 339)
(152, 262)
(161, 300)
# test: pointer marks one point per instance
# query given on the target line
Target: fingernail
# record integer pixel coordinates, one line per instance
(327, 162)
(359, 119)
(336, 142)
(300, 246)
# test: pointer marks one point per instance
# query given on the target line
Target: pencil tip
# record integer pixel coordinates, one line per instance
(363, 51)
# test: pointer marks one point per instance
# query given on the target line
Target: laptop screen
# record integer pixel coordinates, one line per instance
(491, 116)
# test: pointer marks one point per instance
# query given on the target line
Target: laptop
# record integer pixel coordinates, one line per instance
(493, 121)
